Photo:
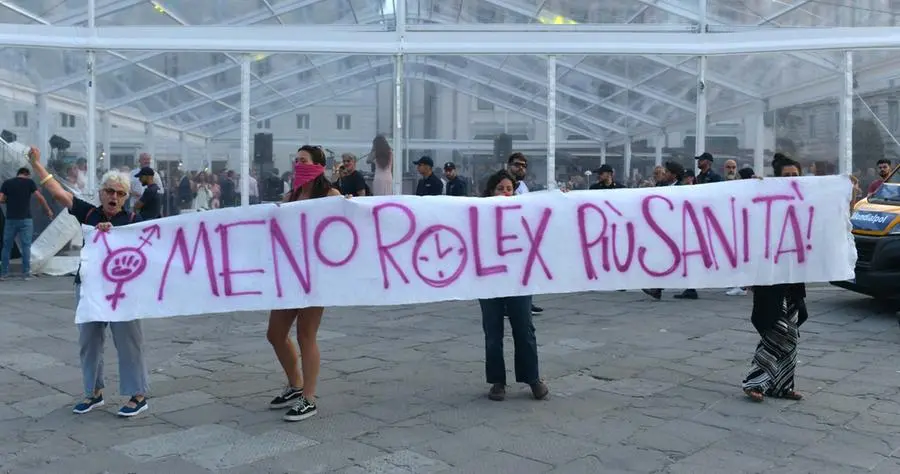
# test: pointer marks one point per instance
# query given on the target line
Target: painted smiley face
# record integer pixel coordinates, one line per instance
(440, 256)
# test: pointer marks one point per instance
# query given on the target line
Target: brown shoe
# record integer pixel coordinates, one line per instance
(498, 392)
(540, 390)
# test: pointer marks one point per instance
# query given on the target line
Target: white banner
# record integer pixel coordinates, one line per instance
(404, 249)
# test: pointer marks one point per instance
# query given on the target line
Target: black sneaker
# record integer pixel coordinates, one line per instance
(88, 404)
(139, 407)
(287, 398)
(654, 293)
(302, 410)
(536, 309)
(687, 295)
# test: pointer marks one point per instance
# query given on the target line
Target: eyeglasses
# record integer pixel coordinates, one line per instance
(116, 192)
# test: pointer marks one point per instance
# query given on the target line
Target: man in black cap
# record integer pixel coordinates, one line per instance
(707, 175)
(456, 186)
(429, 185)
(606, 178)
(149, 206)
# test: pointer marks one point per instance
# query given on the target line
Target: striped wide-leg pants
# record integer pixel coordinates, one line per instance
(772, 369)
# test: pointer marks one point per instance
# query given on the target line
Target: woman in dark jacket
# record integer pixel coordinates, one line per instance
(518, 309)
(778, 312)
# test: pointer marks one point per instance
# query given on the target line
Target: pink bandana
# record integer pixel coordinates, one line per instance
(306, 172)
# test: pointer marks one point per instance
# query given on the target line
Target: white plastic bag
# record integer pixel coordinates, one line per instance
(61, 231)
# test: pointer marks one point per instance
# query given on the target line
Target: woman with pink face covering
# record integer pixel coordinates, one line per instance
(309, 183)
(518, 309)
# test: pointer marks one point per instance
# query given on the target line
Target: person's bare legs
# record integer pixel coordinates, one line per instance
(278, 334)
(307, 329)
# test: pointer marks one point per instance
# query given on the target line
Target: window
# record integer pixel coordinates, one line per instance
(893, 115)
(264, 124)
(482, 104)
(20, 117)
(302, 121)
(264, 67)
(305, 75)
(220, 77)
(66, 120)
(70, 63)
(170, 65)
(343, 122)
(486, 14)
(812, 126)
(605, 90)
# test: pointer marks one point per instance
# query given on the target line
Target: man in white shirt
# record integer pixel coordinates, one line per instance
(253, 195)
(517, 165)
(137, 189)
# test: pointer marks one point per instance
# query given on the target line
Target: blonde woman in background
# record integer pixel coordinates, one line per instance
(383, 156)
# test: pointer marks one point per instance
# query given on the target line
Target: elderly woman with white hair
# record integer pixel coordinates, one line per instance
(127, 335)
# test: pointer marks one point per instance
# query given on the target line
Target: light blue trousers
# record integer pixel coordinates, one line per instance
(129, 341)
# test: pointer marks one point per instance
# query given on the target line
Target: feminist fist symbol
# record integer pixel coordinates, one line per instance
(125, 264)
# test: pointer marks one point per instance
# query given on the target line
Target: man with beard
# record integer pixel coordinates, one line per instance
(731, 172)
(517, 165)
(884, 169)
(706, 175)
(456, 185)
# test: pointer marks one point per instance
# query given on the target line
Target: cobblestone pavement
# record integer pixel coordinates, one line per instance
(638, 387)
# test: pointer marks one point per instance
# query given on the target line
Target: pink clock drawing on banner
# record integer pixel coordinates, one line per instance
(126, 263)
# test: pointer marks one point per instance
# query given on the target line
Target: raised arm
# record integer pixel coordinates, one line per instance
(48, 182)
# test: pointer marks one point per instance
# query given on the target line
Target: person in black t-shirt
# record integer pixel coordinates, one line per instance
(429, 185)
(127, 335)
(16, 193)
(228, 194)
(150, 204)
(352, 182)
(606, 178)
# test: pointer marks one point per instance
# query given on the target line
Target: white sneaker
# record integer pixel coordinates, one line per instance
(736, 291)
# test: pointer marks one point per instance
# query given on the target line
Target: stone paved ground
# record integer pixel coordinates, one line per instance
(638, 387)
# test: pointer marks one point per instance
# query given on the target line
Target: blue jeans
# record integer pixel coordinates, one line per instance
(24, 229)
(129, 340)
(493, 312)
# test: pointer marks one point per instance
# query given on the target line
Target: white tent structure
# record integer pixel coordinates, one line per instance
(199, 77)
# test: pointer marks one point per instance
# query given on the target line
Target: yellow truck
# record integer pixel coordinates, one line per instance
(876, 231)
